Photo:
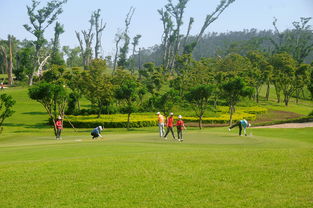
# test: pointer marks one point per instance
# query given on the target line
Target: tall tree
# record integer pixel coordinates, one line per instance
(284, 74)
(56, 57)
(135, 44)
(88, 35)
(40, 20)
(122, 61)
(298, 42)
(99, 26)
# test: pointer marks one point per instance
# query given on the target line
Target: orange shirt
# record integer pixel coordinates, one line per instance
(180, 124)
(161, 118)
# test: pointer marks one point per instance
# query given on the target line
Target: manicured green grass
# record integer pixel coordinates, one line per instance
(211, 168)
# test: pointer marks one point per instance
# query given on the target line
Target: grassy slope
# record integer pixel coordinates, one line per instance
(212, 168)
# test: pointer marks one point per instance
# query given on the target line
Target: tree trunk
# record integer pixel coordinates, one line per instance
(257, 95)
(30, 79)
(200, 122)
(297, 95)
(230, 115)
(128, 119)
(277, 90)
(268, 91)
(10, 68)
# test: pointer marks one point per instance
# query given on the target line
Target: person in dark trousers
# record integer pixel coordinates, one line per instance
(59, 127)
(242, 124)
(96, 132)
(180, 127)
(169, 125)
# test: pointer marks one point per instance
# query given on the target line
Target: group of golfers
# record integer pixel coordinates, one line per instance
(169, 126)
(162, 123)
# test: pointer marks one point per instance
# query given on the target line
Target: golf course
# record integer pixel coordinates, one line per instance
(211, 168)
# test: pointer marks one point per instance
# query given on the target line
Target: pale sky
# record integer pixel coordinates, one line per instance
(243, 14)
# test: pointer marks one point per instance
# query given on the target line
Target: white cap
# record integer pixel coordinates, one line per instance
(249, 124)
(100, 127)
(179, 116)
(171, 114)
(59, 117)
(158, 113)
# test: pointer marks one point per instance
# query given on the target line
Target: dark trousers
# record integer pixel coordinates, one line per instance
(168, 130)
(94, 135)
(180, 133)
(59, 133)
(237, 124)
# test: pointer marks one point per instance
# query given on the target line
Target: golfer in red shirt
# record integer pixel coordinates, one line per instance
(59, 127)
(169, 125)
(180, 127)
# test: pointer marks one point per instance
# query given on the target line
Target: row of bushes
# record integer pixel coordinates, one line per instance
(138, 120)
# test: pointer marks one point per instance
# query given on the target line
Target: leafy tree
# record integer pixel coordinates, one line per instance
(53, 98)
(56, 57)
(26, 58)
(310, 82)
(97, 88)
(167, 101)
(258, 74)
(232, 91)
(199, 97)
(6, 104)
(284, 74)
(40, 20)
(73, 57)
(127, 93)
(301, 79)
(151, 77)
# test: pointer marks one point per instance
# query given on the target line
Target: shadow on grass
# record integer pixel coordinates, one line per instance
(35, 113)
(29, 126)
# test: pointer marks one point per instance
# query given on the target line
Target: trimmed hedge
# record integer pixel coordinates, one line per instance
(138, 120)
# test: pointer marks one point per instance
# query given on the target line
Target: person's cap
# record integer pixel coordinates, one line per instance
(171, 114)
(158, 113)
(100, 127)
(59, 117)
(179, 116)
(249, 124)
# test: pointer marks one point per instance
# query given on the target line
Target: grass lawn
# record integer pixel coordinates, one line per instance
(211, 168)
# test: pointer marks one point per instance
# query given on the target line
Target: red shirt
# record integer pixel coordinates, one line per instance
(58, 124)
(170, 121)
(180, 124)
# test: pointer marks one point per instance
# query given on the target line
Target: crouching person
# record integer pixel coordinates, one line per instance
(242, 124)
(96, 132)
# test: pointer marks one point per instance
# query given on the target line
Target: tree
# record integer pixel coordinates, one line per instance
(302, 79)
(26, 58)
(232, 91)
(56, 57)
(258, 74)
(127, 93)
(132, 61)
(6, 104)
(40, 20)
(210, 18)
(298, 42)
(73, 57)
(284, 78)
(199, 97)
(97, 86)
(99, 28)
(167, 101)
(310, 82)
(122, 61)
(86, 52)
(53, 97)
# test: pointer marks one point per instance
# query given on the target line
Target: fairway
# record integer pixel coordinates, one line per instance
(211, 168)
